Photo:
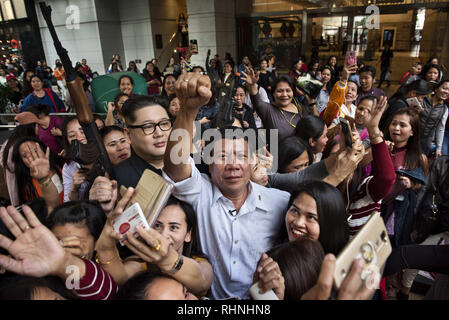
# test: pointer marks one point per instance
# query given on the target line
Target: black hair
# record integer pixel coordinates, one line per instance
(332, 216)
(36, 76)
(300, 264)
(431, 58)
(164, 93)
(368, 68)
(329, 84)
(192, 248)
(439, 84)
(25, 130)
(194, 67)
(136, 288)
(285, 79)
(310, 126)
(138, 102)
(125, 76)
(241, 87)
(108, 129)
(65, 123)
(234, 133)
(97, 116)
(88, 213)
(292, 147)
(39, 109)
(419, 85)
(370, 98)
(117, 99)
(414, 158)
(25, 287)
(22, 172)
(429, 66)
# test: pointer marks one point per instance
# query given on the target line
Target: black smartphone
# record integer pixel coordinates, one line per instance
(345, 127)
(176, 57)
(208, 52)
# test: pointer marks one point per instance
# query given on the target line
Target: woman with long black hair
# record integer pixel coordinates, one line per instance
(8, 165)
(36, 173)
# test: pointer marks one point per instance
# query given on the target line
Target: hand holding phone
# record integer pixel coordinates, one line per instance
(372, 245)
(346, 131)
(351, 58)
(256, 295)
(415, 104)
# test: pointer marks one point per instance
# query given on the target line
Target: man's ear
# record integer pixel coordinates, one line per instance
(312, 142)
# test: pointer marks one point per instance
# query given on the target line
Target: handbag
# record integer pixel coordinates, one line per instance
(427, 219)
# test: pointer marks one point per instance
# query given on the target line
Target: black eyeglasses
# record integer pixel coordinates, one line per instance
(149, 128)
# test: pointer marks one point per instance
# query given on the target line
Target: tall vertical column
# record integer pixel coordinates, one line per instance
(212, 24)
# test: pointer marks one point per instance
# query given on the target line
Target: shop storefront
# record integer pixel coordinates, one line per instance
(19, 32)
(415, 30)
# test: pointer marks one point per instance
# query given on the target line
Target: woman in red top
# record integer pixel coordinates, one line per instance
(152, 78)
(403, 132)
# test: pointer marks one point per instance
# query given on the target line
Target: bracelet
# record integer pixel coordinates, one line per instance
(44, 183)
(97, 260)
(178, 264)
(376, 136)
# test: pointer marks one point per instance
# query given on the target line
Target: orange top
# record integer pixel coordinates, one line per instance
(336, 99)
(38, 189)
(59, 75)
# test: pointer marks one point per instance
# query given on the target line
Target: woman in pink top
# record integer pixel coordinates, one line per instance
(49, 127)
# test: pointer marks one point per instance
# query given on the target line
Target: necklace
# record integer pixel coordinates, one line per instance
(294, 115)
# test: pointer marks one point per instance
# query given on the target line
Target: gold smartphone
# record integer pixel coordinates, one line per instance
(371, 244)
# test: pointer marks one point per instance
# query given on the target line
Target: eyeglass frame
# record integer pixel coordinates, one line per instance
(155, 125)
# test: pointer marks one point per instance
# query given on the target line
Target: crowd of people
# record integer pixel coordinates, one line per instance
(251, 214)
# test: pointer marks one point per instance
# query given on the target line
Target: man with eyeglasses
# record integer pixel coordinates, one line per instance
(148, 127)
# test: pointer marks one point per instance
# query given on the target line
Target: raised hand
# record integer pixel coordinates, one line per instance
(74, 246)
(250, 77)
(35, 252)
(193, 90)
(108, 238)
(376, 112)
(266, 159)
(56, 132)
(78, 178)
(347, 71)
(39, 163)
(269, 276)
(104, 191)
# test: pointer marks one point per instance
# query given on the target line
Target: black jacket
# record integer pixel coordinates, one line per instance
(128, 172)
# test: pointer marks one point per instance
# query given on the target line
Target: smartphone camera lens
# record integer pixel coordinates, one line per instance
(367, 253)
(383, 236)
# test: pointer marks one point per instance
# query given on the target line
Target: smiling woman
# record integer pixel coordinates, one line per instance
(317, 211)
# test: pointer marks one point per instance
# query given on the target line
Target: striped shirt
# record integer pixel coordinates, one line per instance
(372, 190)
(96, 284)
(362, 205)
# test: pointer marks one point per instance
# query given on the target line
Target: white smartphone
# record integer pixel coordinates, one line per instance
(129, 220)
(413, 102)
(256, 295)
